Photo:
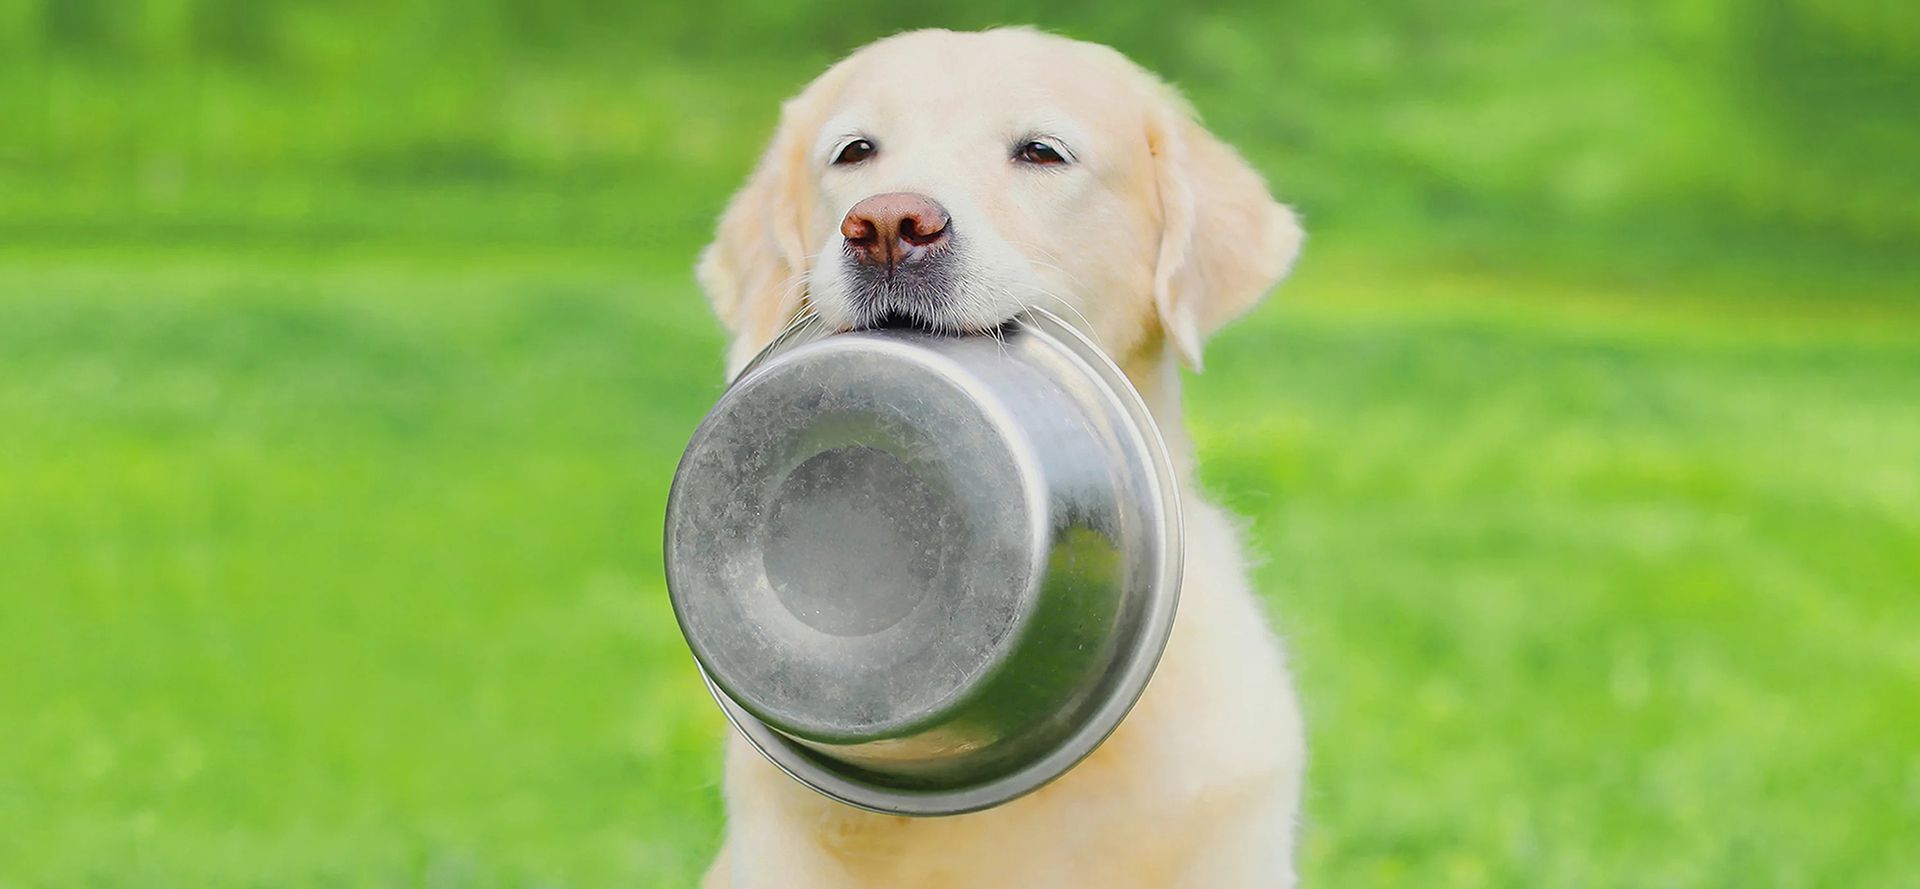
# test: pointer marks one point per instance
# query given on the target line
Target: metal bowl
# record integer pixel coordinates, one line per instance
(926, 574)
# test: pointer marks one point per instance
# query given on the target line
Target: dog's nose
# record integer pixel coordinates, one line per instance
(889, 229)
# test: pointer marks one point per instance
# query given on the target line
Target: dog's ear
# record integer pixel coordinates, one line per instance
(1224, 240)
(754, 272)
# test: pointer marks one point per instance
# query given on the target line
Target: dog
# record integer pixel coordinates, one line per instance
(949, 181)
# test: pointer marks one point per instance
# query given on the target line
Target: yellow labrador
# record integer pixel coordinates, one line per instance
(949, 180)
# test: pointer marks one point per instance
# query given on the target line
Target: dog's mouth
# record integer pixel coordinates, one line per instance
(897, 320)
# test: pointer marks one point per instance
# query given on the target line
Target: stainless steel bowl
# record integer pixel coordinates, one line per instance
(926, 574)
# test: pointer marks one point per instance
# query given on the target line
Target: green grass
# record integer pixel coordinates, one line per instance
(346, 571)
(335, 561)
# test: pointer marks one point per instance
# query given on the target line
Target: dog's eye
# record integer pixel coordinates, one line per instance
(1038, 153)
(853, 152)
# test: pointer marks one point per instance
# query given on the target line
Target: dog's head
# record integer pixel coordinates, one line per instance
(950, 180)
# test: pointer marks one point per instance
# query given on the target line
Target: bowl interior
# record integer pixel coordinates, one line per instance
(853, 539)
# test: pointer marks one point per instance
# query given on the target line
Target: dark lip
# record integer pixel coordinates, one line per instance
(896, 320)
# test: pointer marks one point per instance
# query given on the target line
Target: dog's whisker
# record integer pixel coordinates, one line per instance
(1051, 262)
(797, 323)
(812, 325)
(797, 282)
(1084, 324)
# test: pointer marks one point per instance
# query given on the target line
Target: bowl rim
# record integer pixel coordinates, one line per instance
(845, 783)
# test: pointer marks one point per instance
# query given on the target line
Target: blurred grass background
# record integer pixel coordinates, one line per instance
(346, 349)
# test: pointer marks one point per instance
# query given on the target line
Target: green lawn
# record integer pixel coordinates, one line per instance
(336, 562)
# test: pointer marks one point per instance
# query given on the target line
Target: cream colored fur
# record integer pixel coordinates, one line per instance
(1153, 236)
